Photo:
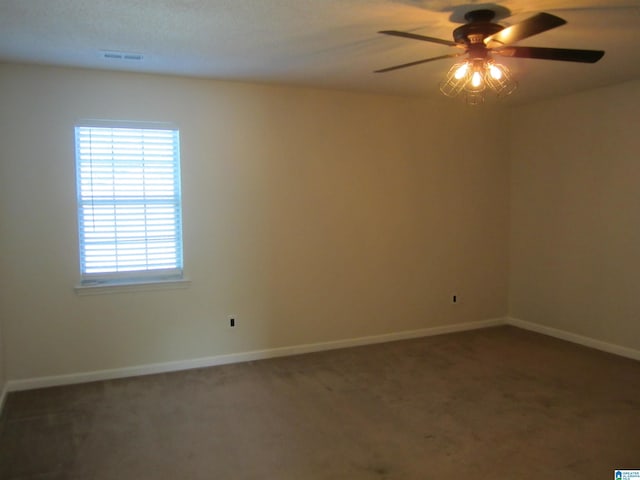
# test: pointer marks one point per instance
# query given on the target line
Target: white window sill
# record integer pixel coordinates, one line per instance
(128, 287)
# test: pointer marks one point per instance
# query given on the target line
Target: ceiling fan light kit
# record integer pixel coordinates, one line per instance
(480, 39)
(473, 78)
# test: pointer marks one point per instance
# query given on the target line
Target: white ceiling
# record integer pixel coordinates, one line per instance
(321, 43)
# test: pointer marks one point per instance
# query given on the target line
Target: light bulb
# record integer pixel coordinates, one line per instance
(495, 72)
(476, 79)
(461, 71)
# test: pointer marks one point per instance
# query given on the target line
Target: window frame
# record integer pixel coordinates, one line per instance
(146, 278)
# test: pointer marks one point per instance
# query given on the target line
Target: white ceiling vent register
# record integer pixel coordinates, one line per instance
(114, 55)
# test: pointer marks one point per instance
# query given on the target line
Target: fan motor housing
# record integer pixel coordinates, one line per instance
(478, 28)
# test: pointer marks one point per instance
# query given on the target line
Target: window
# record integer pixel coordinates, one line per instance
(129, 202)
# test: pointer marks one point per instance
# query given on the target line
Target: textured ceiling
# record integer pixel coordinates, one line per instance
(320, 43)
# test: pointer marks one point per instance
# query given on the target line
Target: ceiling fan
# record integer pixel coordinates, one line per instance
(480, 39)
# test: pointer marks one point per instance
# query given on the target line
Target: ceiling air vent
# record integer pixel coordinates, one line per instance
(112, 55)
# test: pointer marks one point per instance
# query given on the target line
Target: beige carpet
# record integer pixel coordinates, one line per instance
(499, 403)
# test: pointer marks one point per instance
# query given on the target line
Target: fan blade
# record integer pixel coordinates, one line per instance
(411, 64)
(561, 54)
(415, 36)
(531, 26)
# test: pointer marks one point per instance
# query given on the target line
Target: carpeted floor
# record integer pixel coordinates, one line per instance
(498, 403)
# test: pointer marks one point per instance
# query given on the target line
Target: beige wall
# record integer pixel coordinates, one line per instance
(311, 215)
(575, 220)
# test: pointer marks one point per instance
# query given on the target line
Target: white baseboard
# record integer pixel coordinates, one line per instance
(83, 377)
(575, 338)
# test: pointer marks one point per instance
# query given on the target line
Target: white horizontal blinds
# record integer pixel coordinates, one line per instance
(129, 201)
